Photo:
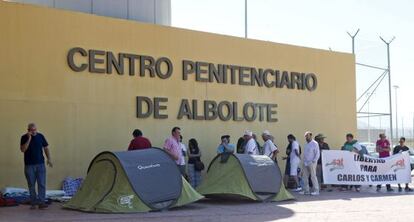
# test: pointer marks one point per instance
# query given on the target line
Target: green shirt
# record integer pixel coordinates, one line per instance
(349, 146)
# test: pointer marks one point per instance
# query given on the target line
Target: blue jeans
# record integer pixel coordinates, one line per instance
(36, 173)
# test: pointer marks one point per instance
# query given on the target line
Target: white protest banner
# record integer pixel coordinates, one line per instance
(349, 168)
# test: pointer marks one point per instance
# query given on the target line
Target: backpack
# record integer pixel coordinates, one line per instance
(198, 165)
(71, 185)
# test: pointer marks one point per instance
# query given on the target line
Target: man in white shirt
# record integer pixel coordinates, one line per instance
(269, 148)
(294, 160)
(251, 145)
(311, 155)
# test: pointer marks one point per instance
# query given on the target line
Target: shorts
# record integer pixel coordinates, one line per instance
(287, 168)
(294, 168)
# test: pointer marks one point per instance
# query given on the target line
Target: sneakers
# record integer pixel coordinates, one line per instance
(297, 189)
(43, 206)
(315, 193)
(406, 189)
(390, 190)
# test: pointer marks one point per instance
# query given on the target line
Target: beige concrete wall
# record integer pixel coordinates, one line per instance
(82, 114)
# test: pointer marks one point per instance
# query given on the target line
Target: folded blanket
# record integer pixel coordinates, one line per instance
(61, 199)
(13, 190)
(55, 193)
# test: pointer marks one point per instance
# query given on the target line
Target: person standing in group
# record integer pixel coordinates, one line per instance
(310, 160)
(182, 165)
(173, 148)
(351, 145)
(33, 145)
(139, 142)
(194, 155)
(294, 160)
(259, 148)
(398, 149)
(269, 148)
(383, 148)
(241, 145)
(320, 138)
(225, 146)
(251, 144)
(287, 165)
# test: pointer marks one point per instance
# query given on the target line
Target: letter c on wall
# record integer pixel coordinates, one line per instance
(71, 61)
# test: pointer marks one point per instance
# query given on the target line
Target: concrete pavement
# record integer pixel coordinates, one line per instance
(336, 206)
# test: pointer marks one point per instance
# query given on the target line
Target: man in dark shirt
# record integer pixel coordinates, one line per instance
(139, 142)
(320, 138)
(33, 144)
(398, 149)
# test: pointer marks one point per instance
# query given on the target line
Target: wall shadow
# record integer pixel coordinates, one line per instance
(336, 194)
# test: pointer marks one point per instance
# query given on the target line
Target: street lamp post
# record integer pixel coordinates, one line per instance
(368, 117)
(396, 111)
(389, 81)
(369, 127)
(245, 19)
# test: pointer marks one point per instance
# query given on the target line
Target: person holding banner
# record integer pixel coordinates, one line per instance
(351, 145)
(383, 148)
(311, 155)
(399, 149)
(320, 138)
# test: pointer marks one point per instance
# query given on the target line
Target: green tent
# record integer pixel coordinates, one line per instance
(249, 176)
(133, 181)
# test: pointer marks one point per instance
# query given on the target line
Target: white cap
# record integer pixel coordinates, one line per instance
(266, 133)
(248, 133)
(307, 132)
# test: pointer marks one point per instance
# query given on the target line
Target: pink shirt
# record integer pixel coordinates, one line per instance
(173, 145)
(383, 144)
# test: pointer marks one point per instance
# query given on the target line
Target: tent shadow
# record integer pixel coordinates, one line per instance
(228, 200)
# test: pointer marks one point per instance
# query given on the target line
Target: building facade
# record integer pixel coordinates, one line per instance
(88, 81)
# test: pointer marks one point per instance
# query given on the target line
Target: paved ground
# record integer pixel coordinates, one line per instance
(329, 206)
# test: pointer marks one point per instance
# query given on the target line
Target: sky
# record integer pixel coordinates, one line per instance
(324, 24)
